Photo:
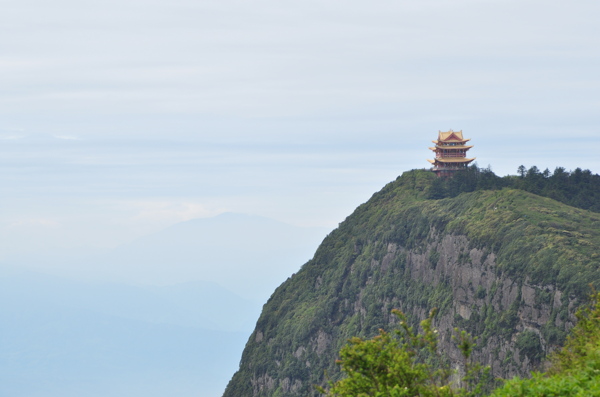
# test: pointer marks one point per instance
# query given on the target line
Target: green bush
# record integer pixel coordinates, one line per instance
(403, 364)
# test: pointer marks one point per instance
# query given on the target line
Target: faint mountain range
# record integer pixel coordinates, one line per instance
(148, 318)
(250, 255)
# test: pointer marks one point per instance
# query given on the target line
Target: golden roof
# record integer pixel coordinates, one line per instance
(451, 147)
(450, 136)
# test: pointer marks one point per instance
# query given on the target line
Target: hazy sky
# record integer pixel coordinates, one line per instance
(118, 118)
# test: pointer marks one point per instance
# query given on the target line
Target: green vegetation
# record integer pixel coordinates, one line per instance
(388, 366)
(579, 188)
(488, 257)
(528, 343)
(575, 368)
(405, 364)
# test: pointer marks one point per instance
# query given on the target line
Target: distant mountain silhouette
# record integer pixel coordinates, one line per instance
(250, 255)
(159, 323)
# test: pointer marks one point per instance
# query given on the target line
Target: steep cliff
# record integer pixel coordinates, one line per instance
(506, 265)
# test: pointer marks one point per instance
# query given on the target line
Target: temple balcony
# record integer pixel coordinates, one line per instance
(446, 155)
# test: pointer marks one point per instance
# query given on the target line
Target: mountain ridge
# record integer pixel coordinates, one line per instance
(505, 264)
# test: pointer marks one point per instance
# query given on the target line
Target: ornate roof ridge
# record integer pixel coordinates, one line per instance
(450, 135)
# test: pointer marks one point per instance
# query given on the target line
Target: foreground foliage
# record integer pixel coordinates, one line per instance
(393, 365)
(405, 363)
(575, 369)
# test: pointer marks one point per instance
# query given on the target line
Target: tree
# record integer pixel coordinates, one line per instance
(404, 363)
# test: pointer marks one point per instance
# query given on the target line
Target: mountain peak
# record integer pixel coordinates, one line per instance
(497, 260)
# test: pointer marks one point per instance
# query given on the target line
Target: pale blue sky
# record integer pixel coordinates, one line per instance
(119, 118)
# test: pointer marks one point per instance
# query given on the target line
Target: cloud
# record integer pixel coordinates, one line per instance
(165, 211)
(269, 59)
(11, 137)
(34, 222)
(67, 137)
(297, 111)
(12, 134)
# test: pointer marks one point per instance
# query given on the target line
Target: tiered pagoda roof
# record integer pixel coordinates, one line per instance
(450, 153)
(450, 136)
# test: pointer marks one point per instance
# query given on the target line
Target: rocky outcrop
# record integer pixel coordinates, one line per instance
(479, 287)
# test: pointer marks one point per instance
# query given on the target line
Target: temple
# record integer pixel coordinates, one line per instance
(450, 153)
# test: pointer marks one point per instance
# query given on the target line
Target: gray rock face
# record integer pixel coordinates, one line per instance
(477, 286)
(480, 294)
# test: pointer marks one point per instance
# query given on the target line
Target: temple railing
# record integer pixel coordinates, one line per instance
(443, 155)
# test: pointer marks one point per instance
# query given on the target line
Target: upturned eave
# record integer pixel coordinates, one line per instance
(454, 147)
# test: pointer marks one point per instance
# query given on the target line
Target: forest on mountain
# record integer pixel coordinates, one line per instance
(406, 363)
(508, 260)
(578, 188)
